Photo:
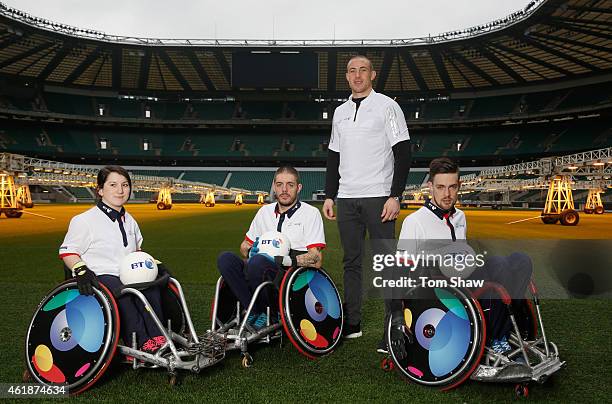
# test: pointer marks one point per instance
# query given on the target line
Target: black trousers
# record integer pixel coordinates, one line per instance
(356, 216)
(513, 272)
(134, 317)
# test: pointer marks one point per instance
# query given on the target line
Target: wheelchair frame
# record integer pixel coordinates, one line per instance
(189, 351)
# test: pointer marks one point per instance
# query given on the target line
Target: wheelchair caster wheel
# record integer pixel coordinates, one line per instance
(247, 361)
(521, 390)
(26, 377)
(173, 380)
(387, 365)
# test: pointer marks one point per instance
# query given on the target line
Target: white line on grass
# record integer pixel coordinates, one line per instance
(523, 220)
(36, 214)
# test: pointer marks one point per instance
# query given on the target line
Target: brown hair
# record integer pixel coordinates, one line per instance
(289, 170)
(442, 165)
(105, 172)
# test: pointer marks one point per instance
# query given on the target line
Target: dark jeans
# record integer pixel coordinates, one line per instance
(134, 317)
(513, 272)
(243, 277)
(355, 217)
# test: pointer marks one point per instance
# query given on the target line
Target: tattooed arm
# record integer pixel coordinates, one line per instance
(313, 258)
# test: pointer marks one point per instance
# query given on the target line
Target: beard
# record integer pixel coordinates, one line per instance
(287, 202)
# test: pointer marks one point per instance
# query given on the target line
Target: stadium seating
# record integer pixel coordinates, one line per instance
(80, 193)
(493, 106)
(255, 181)
(70, 104)
(209, 177)
(311, 181)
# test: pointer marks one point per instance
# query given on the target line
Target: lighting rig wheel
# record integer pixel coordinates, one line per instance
(599, 210)
(13, 213)
(569, 218)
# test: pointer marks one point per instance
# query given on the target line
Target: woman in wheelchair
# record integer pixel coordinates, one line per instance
(96, 242)
(299, 245)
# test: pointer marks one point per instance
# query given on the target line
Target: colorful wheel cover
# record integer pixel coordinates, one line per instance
(72, 337)
(311, 311)
(448, 332)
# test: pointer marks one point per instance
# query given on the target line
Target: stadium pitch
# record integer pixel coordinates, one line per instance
(189, 237)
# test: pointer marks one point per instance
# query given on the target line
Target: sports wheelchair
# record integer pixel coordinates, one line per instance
(72, 338)
(445, 336)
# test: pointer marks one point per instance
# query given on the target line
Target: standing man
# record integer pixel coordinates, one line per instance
(299, 221)
(367, 167)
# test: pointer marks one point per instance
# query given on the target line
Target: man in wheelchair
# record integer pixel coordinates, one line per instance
(300, 224)
(440, 226)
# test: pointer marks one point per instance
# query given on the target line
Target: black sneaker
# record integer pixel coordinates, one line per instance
(350, 331)
(382, 347)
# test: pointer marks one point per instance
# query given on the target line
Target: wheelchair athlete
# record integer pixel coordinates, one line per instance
(96, 242)
(300, 222)
(439, 220)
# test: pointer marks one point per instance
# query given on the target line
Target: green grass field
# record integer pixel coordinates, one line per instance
(189, 237)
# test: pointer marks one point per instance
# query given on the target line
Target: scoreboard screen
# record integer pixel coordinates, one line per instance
(279, 69)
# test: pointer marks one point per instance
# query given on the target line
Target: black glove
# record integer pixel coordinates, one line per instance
(162, 269)
(398, 332)
(86, 279)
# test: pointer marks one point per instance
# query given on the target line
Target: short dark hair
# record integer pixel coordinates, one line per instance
(442, 165)
(359, 56)
(288, 169)
(105, 172)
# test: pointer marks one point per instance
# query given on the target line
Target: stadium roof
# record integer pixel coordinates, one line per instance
(548, 41)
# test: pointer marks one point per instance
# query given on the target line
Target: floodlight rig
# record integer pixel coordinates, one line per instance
(8, 196)
(593, 203)
(24, 197)
(208, 199)
(164, 198)
(584, 170)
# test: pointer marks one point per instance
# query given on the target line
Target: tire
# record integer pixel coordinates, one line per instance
(13, 213)
(599, 210)
(588, 211)
(569, 217)
(550, 219)
(161, 206)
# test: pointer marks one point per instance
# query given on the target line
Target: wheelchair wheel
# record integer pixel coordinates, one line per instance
(173, 309)
(72, 338)
(448, 337)
(311, 311)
